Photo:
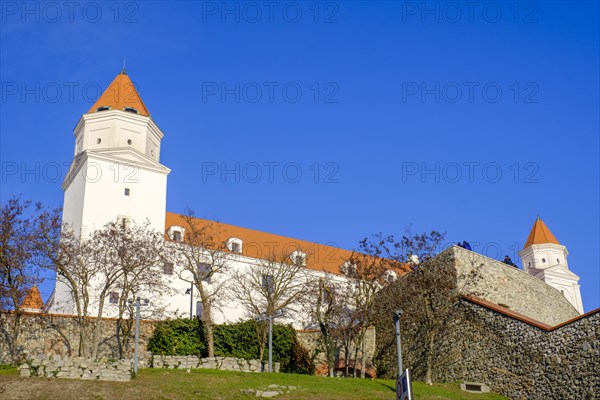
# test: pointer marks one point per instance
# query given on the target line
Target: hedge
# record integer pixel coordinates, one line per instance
(240, 340)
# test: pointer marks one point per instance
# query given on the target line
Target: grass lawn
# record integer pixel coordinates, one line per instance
(166, 384)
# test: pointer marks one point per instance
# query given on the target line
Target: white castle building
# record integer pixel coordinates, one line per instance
(116, 174)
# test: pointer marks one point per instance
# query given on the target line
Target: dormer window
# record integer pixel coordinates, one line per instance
(390, 276)
(131, 110)
(234, 245)
(103, 108)
(176, 233)
(298, 258)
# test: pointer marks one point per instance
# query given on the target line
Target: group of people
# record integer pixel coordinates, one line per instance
(464, 245)
(507, 260)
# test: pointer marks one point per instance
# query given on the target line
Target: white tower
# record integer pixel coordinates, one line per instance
(116, 174)
(545, 258)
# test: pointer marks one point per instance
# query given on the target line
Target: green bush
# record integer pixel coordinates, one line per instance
(240, 340)
(177, 337)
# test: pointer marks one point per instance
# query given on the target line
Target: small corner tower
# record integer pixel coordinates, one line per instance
(546, 259)
(116, 173)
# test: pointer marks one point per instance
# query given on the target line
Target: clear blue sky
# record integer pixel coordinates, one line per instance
(389, 90)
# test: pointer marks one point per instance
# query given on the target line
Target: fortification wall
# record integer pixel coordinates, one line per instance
(55, 334)
(509, 286)
(521, 360)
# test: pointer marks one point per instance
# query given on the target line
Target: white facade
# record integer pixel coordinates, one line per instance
(548, 262)
(115, 175)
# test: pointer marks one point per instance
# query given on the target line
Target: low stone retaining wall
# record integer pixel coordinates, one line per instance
(222, 363)
(78, 368)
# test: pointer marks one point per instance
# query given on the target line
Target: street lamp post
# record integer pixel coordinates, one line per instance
(265, 317)
(138, 303)
(190, 291)
(397, 315)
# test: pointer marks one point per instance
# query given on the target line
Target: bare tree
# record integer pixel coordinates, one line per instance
(276, 283)
(130, 261)
(428, 295)
(367, 271)
(328, 312)
(18, 272)
(200, 259)
(73, 261)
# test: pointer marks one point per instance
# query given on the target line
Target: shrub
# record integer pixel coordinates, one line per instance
(177, 337)
(240, 340)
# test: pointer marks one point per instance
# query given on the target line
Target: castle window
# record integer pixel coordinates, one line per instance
(103, 108)
(199, 309)
(205, 272)
(131, 110)
(234, 245)
(177, 236)
(558, 260)
(298, 258)
(176, 233)
(113, 297)
(543, 260)
(129, 141)
(168, 268)
(124, 222)
(268, 283)
(99, 141)
(127, 191)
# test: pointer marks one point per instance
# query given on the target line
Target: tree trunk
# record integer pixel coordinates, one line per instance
(356, 346)
(96, 341)
(207, 320)
(363, 358)
(431, 345)
(346, 358)
(210, 340)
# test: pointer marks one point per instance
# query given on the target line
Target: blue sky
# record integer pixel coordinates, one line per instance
(467, 120)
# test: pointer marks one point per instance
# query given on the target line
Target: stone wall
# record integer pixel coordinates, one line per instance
(78, 368)
(523, 359)
(222, 363)
(55, 334)
(509, 286)
(310, 340)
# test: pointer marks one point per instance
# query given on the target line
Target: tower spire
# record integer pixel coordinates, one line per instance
(123, 72)
(121, 94)
(540, 234)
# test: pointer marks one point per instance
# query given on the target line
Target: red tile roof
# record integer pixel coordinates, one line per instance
(540, 234)
(257, 244)
(121, 93)
(33, 299)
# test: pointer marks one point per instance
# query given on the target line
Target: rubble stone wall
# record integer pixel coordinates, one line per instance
(77, 368)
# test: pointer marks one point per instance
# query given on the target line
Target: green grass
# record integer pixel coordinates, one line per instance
(8, 370)
(166, 384)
